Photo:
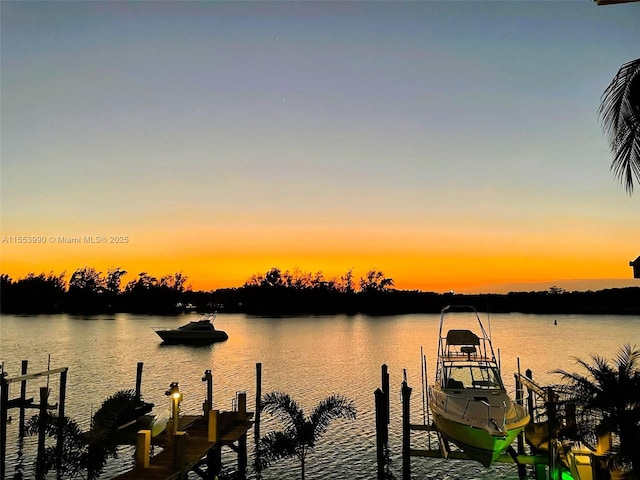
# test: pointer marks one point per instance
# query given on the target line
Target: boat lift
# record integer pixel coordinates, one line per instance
(544, 454)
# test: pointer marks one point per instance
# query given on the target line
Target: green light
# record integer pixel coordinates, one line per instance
(566, 476)
(559, 473)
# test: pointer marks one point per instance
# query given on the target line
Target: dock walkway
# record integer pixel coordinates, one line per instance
(233, 427)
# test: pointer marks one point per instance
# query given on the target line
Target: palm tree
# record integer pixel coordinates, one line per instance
(300, 433)
(89, 451)
(620, 112)
(72, 463)
(611, 394)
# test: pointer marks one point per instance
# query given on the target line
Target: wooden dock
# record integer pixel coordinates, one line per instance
(233, 427)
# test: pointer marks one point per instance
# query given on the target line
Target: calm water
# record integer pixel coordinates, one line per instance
(309, 358)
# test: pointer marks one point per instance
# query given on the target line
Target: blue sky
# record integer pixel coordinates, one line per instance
(453, 145)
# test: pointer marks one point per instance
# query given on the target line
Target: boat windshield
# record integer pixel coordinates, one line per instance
(473, 376)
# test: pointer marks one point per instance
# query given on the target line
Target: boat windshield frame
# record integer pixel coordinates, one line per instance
(472, 376)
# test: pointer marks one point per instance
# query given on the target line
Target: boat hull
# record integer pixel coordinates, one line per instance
(171, 337)
(478, 443)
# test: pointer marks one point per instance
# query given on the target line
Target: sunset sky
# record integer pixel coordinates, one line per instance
(451, 145)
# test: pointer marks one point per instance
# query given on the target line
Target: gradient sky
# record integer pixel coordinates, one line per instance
(451, 145)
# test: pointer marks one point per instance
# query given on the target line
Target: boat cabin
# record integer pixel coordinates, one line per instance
(198, 326)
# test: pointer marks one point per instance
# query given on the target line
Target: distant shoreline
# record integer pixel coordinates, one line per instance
(279, 300)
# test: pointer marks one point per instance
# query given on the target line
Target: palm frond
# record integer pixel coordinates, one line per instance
(627, 359)
(273, 447)
(331, 408)
(284, 408)
(620, 113)
(74, 456)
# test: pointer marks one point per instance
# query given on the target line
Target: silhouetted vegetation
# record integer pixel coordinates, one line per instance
(300, 433)
(620, 112)
(282, 293)
(85, 454)
(607, 395)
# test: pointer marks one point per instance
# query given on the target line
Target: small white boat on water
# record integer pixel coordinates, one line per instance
(197, 332)
(468, 400)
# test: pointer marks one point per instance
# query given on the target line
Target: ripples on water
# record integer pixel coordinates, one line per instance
(308, 358)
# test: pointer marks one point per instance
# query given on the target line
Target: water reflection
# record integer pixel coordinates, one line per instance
(308, 358)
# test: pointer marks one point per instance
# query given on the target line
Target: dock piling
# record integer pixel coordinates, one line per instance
(180, 450)
(208, 402)
(382, 406)
(42, 428)
(139, 379)
(385, 390)
(522, 472)
(242, 404)
(61, 414)
(4, 400)
(381, 433)
(213, 434)
(406, 431)
(23, 396)
(256, 425)
(143, 448)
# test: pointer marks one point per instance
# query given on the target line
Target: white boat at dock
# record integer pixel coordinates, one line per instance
(468, 400)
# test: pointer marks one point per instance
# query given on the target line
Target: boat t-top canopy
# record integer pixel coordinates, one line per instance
(462, 337)
(459, 344)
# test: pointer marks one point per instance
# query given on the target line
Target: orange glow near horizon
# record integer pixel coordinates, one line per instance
(424, 260)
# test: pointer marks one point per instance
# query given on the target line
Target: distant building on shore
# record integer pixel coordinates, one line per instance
(636, 267)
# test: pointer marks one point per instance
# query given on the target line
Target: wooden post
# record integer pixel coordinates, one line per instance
(214, 457)
(42, 423)
(256, 425)
(571, 426)
(139, 380)
(23, 395)
(406, 432)
(381, 429)
(242, 456)
(529, 375)
(213, 434)
(522, 471)
(169, 430)
(143, 448)
(242, 405)
(208, 402)
(385, 390)
(214, 461)
(540, 470)
(4, 398)
(61, 414)
(551, 416)
(603, 446)
(180, 450)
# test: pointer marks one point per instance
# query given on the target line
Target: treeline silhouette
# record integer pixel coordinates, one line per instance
(282, 293)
